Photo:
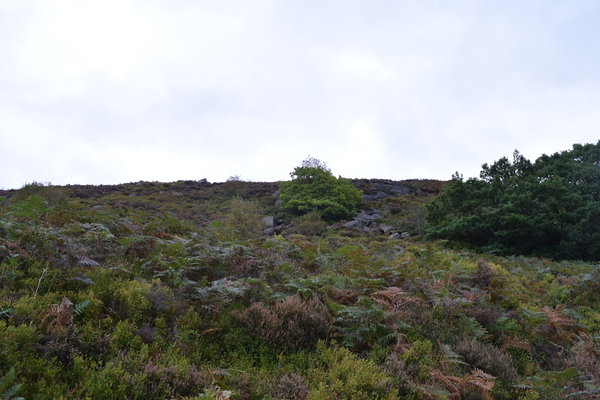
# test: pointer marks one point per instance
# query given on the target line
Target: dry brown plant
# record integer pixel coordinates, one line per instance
(58, 315)
(476, 381)
(393, 299)
(558, 327)
(515, 342)
(472, 296)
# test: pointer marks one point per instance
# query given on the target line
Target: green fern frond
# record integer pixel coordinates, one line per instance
(451, 355)
(7, 389)
(80, 307)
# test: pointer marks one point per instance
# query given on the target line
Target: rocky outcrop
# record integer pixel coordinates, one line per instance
(379, 189)
(368, 222)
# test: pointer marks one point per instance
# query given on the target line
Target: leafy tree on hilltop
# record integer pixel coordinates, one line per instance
(548, 208)
(313, 187)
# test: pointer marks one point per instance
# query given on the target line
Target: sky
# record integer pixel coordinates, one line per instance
(117, 91)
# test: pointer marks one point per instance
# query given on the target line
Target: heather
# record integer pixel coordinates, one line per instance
(180, 291)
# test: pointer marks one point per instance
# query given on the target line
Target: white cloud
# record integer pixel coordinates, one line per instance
(113, 91)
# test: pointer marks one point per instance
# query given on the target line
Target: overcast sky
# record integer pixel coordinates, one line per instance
(107, 92)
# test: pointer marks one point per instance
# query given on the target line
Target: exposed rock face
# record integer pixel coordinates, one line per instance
(379, 189)
(367, 222)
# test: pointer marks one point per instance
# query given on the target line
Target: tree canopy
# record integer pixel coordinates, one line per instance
(549, 208)
(313, 187)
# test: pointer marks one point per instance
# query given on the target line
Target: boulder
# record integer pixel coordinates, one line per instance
(386, 228)
(269, 221)
(379, 189)
(268, 231)
(366, 218)
(355, 224)
(394, 236)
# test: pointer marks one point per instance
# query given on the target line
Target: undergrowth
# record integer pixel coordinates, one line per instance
(122, 304)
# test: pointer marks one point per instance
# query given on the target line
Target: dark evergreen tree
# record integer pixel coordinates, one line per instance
(550, 208)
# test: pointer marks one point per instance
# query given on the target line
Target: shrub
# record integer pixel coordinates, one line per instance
(309, 224)
(313, 187)
(339, 374)
(363, 325)
(50, 194)
(244, 218)
(489, 359)
(235, 187)
(288, 386)
(290, 325)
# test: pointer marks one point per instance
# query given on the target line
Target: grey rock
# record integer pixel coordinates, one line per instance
(386, 228)
(277, 203)
(203, 180)
(364, 217)
(373, 225)
(275, 193)
(97, 206)
(405, 235)
(355, 224)
(394, 236)
(399, 249)
(132, 195)
(269, 221)
(374, 190)
(268, 231)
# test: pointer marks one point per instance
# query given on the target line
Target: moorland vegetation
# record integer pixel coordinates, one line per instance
(156, 290)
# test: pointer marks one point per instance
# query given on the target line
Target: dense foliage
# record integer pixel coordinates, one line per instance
(313, 187)
(549, 208)
(101, 303)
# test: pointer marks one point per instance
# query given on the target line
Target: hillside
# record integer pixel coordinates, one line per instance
(202, 202)
(155, 290)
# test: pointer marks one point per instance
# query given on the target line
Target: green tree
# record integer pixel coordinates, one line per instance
(313, 187)
(549, 208)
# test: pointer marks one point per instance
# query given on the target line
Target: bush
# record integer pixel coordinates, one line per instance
(244, 218)
(50, 194)
(313, 187)
(342, 375)
(288, 386)
(235, 187)
(290, 325)
(309, 224)
(489, 359)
